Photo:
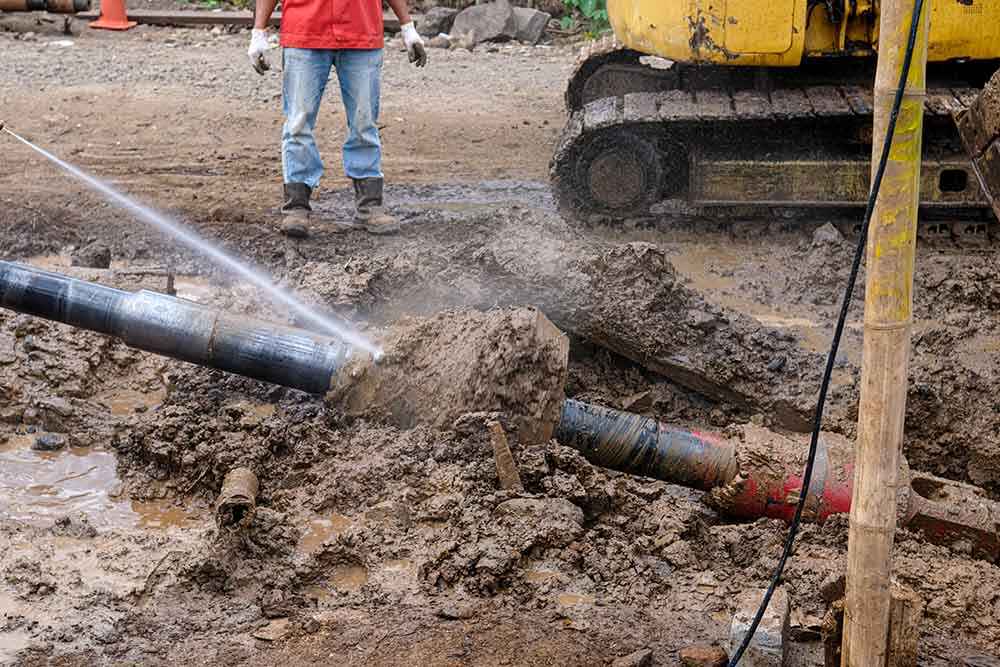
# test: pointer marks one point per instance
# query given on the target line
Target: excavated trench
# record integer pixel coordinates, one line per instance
(381, 534)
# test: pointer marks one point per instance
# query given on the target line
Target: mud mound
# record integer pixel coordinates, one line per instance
(626, 298)
(437, 369)
(635, 305)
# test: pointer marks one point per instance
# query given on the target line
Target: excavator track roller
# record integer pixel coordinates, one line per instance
(615, 171)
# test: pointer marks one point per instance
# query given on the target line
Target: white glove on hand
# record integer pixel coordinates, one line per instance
(258, 47)
(414, 44)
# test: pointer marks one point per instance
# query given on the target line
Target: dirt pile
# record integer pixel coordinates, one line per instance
(513, 362)
(626, 298)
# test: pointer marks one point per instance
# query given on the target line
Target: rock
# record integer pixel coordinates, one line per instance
(492, 21)
(49, 442)
(462, 41)
(273, 631)
(703, 656)
(54, 414)
(439, 42)
(95, 255)
(641, 658)
(436, 20)
(766, 647)
(827, 235)
(531, 24)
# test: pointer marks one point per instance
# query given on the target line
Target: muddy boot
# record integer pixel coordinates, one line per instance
(295, 211)
(370, 214)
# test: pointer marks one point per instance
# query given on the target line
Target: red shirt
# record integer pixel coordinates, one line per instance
(332, 24)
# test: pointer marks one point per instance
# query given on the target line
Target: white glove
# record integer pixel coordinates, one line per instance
(258, 47)
(414, 44)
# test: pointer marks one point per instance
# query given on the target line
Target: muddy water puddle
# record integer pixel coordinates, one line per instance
(39, 487)
(124, 402)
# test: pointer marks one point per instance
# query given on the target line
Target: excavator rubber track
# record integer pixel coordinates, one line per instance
(709, 142)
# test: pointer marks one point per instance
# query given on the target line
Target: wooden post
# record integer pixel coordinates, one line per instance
(904, 627)
(888, 320)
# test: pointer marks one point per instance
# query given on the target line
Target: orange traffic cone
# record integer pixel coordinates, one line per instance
(113, 16)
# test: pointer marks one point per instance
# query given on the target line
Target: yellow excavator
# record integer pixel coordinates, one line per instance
(716, 108)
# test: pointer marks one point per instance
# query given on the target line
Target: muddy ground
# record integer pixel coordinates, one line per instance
(389, 545)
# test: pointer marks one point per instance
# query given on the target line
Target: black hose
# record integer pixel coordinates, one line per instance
(793, 529)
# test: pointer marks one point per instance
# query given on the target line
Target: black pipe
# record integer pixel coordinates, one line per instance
(643, 446)
(178, 328)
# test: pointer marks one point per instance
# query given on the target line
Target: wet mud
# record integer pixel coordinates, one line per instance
(382, 533)
(378, 522)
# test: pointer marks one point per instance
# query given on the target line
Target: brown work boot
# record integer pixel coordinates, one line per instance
(295, 211)
(370, 215)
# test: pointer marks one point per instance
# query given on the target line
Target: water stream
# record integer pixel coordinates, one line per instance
(204, 247)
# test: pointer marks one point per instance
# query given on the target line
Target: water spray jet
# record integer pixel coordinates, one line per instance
(216, 255)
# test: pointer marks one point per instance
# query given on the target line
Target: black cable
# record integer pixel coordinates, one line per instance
(793, 529)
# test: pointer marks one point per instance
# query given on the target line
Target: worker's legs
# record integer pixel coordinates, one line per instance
(306, 72)
(360, 74)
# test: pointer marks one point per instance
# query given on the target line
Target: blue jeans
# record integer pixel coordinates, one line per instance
(306, 72)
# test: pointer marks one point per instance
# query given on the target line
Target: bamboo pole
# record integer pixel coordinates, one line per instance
(888, 319)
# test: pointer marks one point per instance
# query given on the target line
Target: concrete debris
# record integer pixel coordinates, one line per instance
(94, 255)
(531, 24)
(641, 658)
(493, 21)
(766, 649)
(436, 20)
(703, 656)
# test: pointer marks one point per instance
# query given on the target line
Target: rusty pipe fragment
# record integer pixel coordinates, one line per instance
(51, 6)
(237, 500)
(758, 474)
(178, 328)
